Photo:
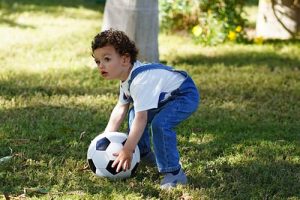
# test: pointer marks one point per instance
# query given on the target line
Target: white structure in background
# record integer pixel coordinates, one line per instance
(278, 19)
(139, 20)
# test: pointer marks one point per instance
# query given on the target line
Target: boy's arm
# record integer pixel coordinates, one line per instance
(137, 128)
(116, 117)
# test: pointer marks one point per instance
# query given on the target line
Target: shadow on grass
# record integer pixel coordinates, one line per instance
(12, 23)
(11, 8)
(49, 5)
(271, 59)
(84, 81)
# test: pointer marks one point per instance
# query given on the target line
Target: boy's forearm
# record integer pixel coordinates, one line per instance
(116, 118)
(137, 128)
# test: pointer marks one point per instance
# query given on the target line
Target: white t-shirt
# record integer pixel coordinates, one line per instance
(146, 87)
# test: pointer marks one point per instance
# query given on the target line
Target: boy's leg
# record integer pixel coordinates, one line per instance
(164, 135)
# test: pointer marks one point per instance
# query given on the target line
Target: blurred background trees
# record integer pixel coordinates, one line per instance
(216, 21)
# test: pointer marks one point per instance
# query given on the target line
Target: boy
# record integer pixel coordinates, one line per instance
(162, 97)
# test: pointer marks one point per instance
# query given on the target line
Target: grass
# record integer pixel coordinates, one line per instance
(242, 143)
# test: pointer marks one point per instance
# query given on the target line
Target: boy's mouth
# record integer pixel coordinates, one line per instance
(103, 73)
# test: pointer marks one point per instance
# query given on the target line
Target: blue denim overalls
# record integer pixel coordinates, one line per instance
(163, 120)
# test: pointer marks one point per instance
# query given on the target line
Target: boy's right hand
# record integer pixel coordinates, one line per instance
(123, 160)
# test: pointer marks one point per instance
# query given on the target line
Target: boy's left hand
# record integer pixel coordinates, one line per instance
(123, 160)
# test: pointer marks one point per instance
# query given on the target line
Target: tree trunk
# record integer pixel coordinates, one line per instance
(139, 20)
(278, 19)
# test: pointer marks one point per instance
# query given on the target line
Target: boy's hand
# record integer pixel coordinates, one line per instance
(123, 160)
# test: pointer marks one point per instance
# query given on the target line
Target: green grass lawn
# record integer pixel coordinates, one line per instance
(242, 143)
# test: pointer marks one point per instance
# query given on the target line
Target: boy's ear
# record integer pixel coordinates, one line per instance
(126, 58)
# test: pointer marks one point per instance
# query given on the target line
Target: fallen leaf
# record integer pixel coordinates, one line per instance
(35, 190)
(82, 135)
(186, 196)
(77, 192)
(5, 159)
(85, 167)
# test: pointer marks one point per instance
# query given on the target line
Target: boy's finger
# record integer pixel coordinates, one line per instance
(115, 163)
(125, 166)
(119, 166)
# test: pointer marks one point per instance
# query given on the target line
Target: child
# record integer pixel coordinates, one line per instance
(162, 97)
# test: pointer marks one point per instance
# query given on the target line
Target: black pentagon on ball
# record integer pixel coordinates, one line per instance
(92, 165)
(111, 169)
(102, 144)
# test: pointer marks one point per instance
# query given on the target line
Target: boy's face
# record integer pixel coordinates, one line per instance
(112, 65)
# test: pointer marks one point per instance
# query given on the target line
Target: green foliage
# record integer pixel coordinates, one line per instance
(211, 22)
(177, 15)
(210, 32)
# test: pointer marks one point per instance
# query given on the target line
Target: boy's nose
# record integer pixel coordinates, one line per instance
(100, 65)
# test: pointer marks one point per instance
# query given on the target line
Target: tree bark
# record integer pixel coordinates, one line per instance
(139, 20)
(278, 19)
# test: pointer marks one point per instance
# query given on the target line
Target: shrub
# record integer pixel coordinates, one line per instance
(177, 15)
(210, 21)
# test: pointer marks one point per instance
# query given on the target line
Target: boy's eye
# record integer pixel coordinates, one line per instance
(97, 62)
(107, 59)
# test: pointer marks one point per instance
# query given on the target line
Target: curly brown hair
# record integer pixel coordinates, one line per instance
(119, 40)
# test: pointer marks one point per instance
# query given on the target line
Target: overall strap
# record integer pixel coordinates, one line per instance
(145, 68)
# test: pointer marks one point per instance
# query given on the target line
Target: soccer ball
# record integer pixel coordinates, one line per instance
(100, 155)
